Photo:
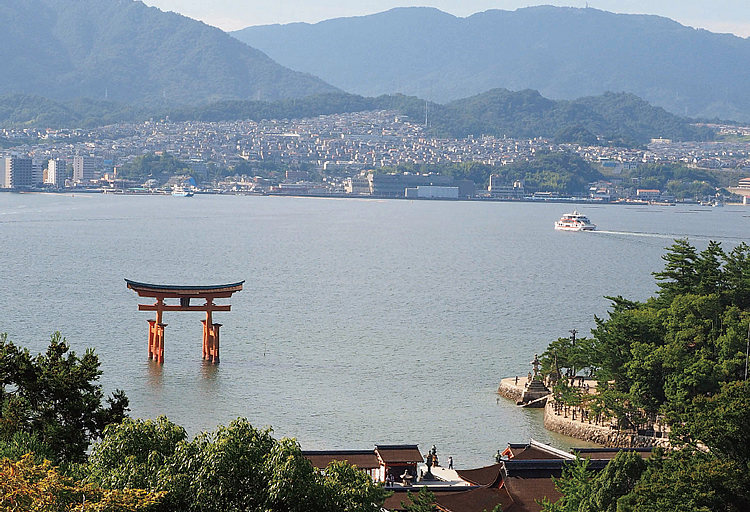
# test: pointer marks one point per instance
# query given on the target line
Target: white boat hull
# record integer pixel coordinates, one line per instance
(574, 222)
(574, 228)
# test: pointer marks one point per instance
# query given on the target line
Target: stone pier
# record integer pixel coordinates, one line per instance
(573, 424)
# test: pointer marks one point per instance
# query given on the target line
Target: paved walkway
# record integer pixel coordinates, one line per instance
(519, 383)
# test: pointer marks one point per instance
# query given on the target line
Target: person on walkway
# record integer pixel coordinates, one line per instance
(450, 462)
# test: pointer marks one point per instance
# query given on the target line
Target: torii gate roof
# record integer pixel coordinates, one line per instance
(178, 291)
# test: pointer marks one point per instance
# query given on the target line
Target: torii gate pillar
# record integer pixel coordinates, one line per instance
(184, 294)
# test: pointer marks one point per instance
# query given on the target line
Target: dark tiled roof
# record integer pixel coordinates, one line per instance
(476, 500)
(481, 476)
(514, 449)
(542, 468)
(526, 491)
(363, 459)
(393, 502)
(400, 494)
(399, 453)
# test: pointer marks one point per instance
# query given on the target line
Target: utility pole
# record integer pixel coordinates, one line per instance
(573, 333)
(747, 350)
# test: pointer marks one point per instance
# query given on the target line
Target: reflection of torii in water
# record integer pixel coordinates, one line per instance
(184, 294)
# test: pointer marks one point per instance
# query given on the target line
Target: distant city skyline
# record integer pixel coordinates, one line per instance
(726, 16)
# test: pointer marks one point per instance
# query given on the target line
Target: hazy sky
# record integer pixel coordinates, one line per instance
(715, 15)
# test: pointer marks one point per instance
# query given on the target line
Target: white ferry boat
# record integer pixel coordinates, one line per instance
(182, 192)
(574, 222)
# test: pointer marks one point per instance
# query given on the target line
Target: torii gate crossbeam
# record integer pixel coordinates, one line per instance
(185, 294)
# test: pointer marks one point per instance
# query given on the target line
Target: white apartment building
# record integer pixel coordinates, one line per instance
(56, 173)
(84, 168)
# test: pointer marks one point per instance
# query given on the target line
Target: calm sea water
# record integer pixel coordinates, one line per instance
(361, 321)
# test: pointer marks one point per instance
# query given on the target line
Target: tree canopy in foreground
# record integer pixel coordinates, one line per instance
(678, 358)
(51, 410)
(52, 402)
(237, 467)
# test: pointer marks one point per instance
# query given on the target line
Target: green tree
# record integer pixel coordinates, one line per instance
(629, 324)
(55, 397)
(575, 486)
(26, 485)
(737, 275)
(352, 490)
(616, 480)
(423, 501)
(160, 167)
(680, 355)
(708, 269)
(679, 275)
(569, 357)
(134, 452)
(237, 467)
(22, 443)
(688, 481)
(719, 422)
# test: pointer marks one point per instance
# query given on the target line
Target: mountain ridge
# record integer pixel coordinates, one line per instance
(563, 52)
(126, 51)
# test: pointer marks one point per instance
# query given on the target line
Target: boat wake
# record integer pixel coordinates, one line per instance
(672, 236)
(637, 233)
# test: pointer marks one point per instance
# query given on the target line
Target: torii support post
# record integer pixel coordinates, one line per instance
(184, 294)
(210, 340)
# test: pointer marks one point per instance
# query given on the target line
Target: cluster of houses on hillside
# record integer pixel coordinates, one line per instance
(341, 149)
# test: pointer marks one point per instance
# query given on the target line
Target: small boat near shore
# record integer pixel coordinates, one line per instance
(574, 222)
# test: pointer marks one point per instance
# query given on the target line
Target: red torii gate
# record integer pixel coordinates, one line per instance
(185, 294)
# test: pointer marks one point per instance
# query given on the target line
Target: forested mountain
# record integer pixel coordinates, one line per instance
(564, 53)
(124, 51)
(614, 118)
(618, 119)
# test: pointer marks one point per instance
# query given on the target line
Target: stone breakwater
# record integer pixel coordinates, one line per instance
(510, 390)
(563, 423)
(592, 433)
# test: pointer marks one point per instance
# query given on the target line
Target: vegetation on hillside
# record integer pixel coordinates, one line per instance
(613, 119)
(676, 180)
(678, 358)
(563, 173)
(125, 51)
(610, 119)
(159, 167)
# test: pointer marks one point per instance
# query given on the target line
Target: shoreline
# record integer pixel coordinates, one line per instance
(546, 200)
(569, 422)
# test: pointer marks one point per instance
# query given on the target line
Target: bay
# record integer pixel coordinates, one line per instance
(362, 321)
